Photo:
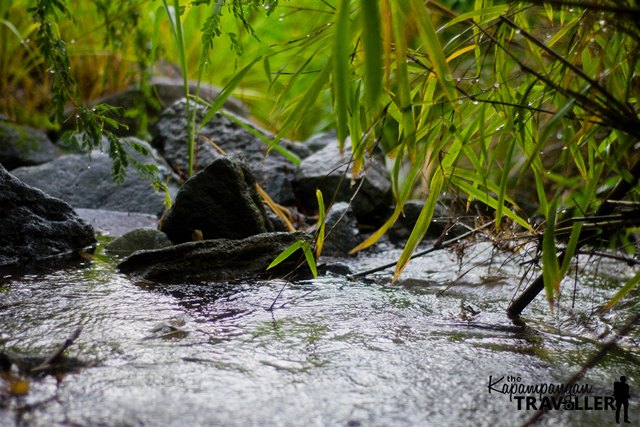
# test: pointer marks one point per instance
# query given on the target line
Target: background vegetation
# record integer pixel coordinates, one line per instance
(530, 108)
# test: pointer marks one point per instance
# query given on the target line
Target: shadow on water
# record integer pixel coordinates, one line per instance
(330, 352)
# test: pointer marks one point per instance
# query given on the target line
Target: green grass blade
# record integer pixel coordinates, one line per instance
(321, 225)
(286, 253)
(628, 287)
(422, 224)
(372, 44)
(341, 70)
(550, 266)
(271, 146)
(226, 92)
(433, 48)
(311, 261)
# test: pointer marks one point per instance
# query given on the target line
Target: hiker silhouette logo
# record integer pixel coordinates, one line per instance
(621, 395)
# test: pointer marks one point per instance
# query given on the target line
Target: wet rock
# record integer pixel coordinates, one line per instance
(325, 169)
(36, 227)
(220, 201)
(139, 239)
(341, 231)
(273, 172)
(85, 182)
(213, 260)
(24, 146)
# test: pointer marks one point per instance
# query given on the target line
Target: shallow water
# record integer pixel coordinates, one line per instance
(331, 352)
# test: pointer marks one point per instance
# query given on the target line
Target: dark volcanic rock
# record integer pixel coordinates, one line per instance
(221, 201)
(273, 172)
(24, 146)
(35, 227)
(136, 240)
(213, 260)
(325, 169)
(86, 182)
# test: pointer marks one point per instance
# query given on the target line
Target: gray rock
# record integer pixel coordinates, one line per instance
(35, 227)
(221, 201)
(85, 182)
(24, 146)
(273, 172)
(325, 170)
(139, 239)
(214, 260)
(341, 231)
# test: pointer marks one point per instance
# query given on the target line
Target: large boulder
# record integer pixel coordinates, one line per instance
(214, 260)
(274, 172)
(329, 169)
(84, 181)
(220, 201)
(24, 146)
(35, 227)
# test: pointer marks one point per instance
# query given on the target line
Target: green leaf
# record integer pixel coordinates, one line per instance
(628, 287)
(550, 265)
(372, 44)
(341, 69)
(321, 224)
(311, 261)
(226, 92)
(286, 253)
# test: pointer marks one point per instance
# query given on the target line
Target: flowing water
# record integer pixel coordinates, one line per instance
(330, 352)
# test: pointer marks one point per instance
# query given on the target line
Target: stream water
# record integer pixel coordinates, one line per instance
(332, 352)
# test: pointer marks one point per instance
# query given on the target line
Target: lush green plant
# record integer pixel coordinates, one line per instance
(513, 105)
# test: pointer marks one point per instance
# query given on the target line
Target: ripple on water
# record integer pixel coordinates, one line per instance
(330, 352)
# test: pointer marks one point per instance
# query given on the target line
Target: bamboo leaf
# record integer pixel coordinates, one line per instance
(341, 69)
(628, 287)
(226, 92)
(550, 266)
(422, 224)
(311, 261)
(286, 253)
(321, 224)
(372, 44)
(432, 46)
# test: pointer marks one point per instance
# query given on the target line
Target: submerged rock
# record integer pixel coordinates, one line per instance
(330, 170)
(36, 227)
(139, 239)
(213, 260)
(274, 172)
(221, 202)
(24, 146)
(85, 182)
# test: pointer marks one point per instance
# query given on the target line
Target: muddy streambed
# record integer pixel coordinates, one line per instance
(332, 352)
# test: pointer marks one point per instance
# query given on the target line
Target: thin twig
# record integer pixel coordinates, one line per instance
(49, 361)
